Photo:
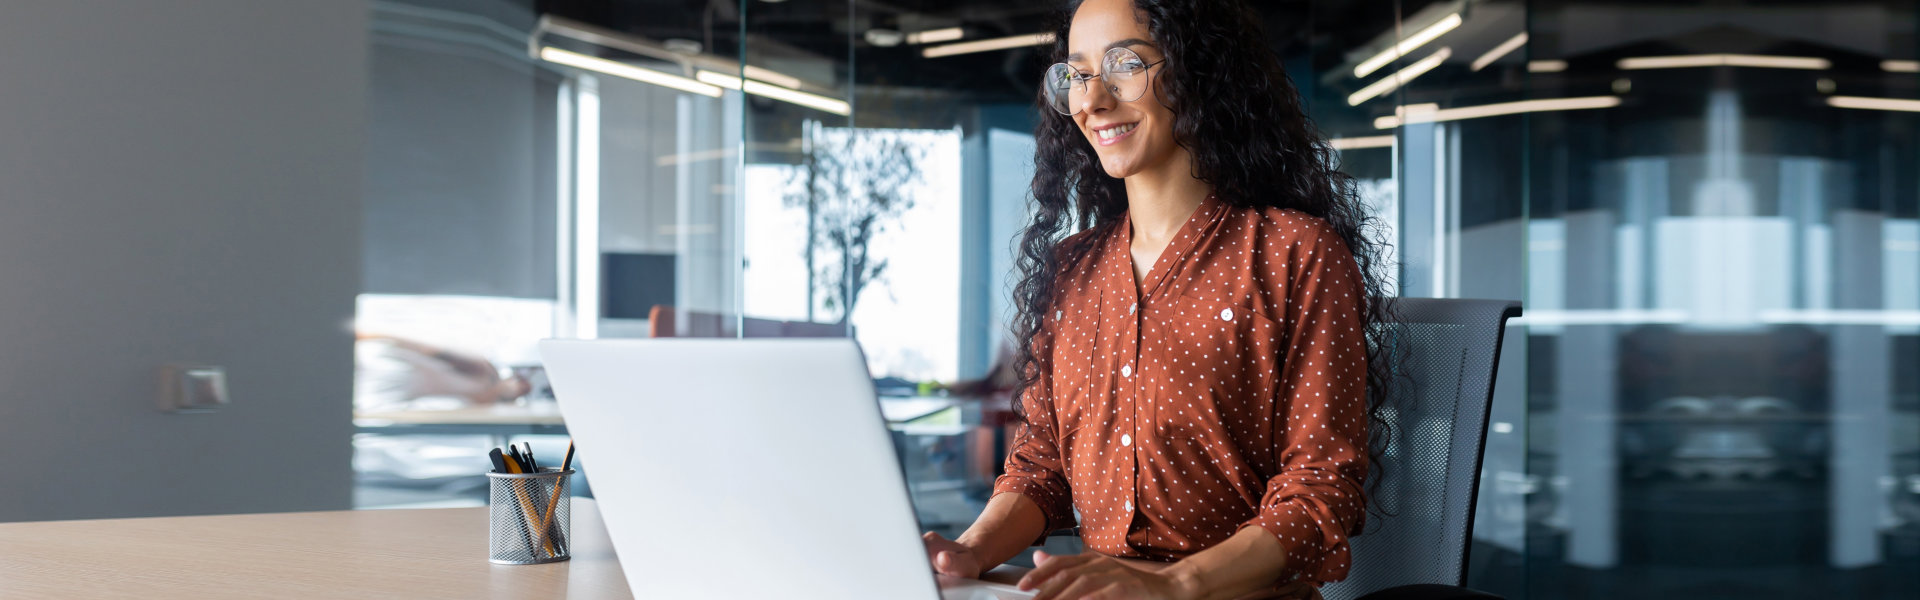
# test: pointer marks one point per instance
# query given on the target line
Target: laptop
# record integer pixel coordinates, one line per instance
(732, 468)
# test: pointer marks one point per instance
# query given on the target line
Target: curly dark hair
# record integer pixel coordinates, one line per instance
(1251, 140)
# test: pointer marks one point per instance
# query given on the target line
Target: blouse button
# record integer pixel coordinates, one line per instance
(1130, 309)
(1058, 314)
(1126, 370)
(1126, 440)
(1129, 505)
(1226, 314)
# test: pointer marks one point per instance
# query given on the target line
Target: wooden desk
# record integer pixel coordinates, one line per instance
(419, 553)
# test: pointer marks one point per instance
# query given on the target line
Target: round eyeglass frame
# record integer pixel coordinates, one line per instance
(1057, 97)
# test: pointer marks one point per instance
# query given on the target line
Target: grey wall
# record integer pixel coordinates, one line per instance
(460, 154)
(179, 182)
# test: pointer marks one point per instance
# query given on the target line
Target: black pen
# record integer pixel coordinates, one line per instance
(499, 461)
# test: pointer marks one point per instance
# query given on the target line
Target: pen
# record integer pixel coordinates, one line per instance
(504, 464)
(499, 461)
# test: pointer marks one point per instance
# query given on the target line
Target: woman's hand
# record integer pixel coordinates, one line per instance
(1095, 576)
(950, 557)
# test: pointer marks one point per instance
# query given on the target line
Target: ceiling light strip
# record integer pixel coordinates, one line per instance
(771, 76)
(1900, 66)
(776, 92)
(1355, 143)
(1407, 46)
(1505, 48)
(935, 36)
(789, 95)
(1725, 60)
(1495, 110)
(1546, 66)
(1394, 81)
(607, 38)
(1892, 104)
(989, 45)
(623, 70)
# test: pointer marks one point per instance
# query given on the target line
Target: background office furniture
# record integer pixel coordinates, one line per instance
(1448, 351)
(665, 321)
(497, 420)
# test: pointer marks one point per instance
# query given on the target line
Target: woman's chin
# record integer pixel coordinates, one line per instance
(1119, 167)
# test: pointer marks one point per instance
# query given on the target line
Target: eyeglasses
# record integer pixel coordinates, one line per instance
(1123, 72)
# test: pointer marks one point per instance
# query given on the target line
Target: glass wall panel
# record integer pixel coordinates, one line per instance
(1708, 209)
(1717, 319)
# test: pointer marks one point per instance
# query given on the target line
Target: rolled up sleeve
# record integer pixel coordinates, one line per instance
(1033, 466)
(1316, 501)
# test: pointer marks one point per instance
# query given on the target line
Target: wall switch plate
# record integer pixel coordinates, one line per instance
(192, 388)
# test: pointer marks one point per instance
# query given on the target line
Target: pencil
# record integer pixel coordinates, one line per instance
(554, 503)
(527, 506)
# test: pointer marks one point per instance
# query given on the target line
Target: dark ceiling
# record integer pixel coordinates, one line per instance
(1299, 29)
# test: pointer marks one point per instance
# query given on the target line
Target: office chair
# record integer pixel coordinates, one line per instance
(1437, 413)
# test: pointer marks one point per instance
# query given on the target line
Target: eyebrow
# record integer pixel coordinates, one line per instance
(1119, 44)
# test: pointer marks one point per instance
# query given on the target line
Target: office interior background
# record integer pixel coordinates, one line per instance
(1711, 211)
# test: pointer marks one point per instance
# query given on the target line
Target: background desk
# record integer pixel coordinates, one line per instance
(422, 553)
(539, 418)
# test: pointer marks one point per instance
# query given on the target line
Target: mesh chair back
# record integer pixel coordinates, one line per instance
(1437, 411)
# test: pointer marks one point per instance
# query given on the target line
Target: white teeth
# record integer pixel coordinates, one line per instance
(1113, 132)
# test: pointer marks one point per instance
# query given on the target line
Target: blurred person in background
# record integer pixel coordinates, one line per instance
(392, 373)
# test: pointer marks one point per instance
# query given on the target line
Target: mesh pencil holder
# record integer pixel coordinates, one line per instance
(527, 517)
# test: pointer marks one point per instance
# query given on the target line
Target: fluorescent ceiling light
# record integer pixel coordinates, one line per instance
(1900, 66)
(1495, 110)
(720, 79)
(1505, 48)
(1394, 81)
(616, 69)
(1725, 60)
(768, 90)
(1893, 104)
(1017, 41)
(1354, 143)
(771, 76)
(1406, 46)
(1546, 66)
(934, 36)
(783, 94)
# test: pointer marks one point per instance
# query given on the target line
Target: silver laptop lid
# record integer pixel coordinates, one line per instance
(741, 468)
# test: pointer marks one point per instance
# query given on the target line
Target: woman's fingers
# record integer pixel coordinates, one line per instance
(1047, 566)
(1079, 581)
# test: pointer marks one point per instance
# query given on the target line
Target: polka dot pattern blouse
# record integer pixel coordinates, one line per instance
(1226, 390)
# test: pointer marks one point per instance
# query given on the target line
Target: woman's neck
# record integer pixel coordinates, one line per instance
(1160, 200)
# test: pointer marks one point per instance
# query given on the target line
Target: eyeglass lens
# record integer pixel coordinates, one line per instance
(1122, 73)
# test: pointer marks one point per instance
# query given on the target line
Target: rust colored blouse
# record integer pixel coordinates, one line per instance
(1226, 390)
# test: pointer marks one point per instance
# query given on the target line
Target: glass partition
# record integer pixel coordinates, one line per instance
(1708, 211)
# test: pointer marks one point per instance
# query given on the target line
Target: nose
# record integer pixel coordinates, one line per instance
(1099, 99)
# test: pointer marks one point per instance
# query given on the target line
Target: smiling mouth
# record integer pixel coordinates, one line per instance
(1113, 132)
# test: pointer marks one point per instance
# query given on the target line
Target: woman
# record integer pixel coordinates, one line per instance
(1197, 381)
